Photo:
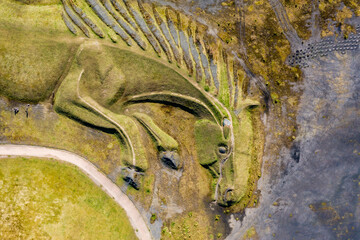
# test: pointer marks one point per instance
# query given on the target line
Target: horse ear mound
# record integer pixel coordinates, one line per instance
(208, 140)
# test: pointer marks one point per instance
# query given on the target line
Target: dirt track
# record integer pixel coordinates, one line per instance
(98, 177)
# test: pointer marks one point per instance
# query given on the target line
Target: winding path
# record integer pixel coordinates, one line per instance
(136, 220)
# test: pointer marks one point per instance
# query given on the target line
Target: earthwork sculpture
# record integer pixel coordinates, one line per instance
(124, 53)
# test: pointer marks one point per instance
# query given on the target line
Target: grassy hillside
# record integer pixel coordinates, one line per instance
(51, 200)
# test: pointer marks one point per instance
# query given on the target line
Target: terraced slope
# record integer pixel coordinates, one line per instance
(169, 34)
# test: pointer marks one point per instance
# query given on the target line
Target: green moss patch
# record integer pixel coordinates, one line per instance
(192, 225)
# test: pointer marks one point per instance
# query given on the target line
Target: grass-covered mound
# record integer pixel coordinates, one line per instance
(35, 46)
(47, 199)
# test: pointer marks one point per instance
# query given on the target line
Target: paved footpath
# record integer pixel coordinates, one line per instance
(136, 220)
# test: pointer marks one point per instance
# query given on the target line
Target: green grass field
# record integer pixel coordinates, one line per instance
(47, 199)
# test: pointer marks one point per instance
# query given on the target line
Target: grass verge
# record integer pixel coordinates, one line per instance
(46, 128)
(48, 199)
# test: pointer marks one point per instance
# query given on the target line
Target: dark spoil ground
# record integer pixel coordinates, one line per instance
(313, 192)
(312, 189)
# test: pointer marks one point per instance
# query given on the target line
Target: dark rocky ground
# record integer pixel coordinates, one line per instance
(313, 192)
(310, 190)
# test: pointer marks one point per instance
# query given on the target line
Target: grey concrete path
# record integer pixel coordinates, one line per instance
(136, 220)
